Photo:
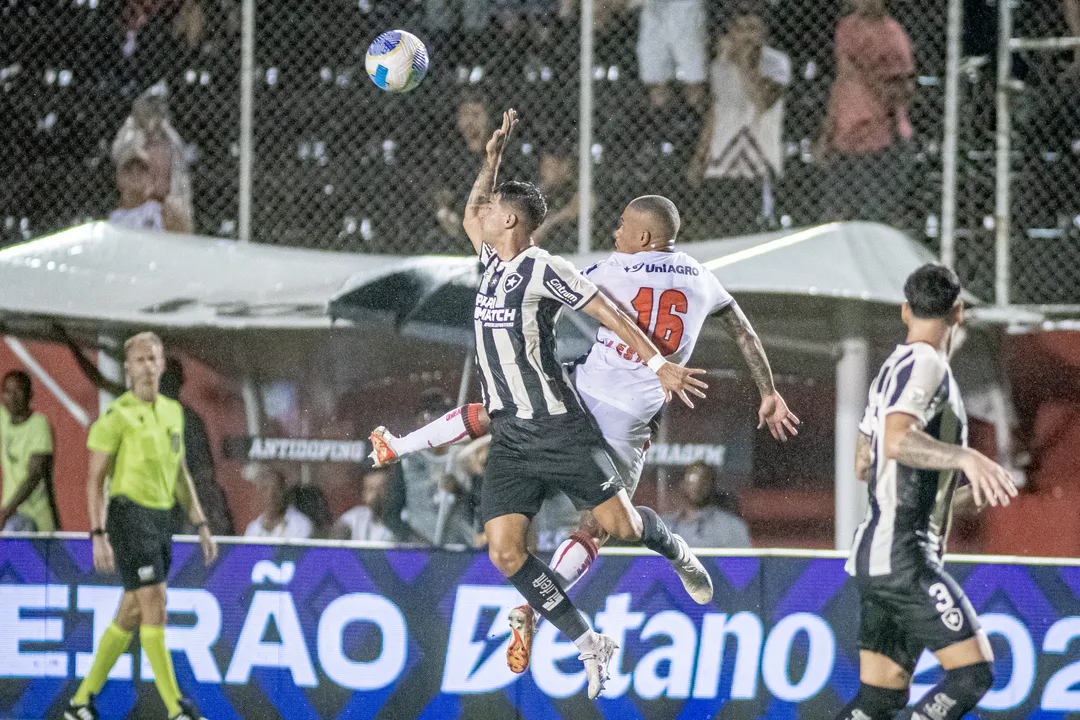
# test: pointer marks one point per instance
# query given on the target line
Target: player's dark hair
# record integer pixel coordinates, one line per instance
(932, 291)
(663, 212)
(527, 201)
(21, 377)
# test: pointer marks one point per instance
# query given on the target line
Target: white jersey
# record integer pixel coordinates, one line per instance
(670, 295)
(144, 217)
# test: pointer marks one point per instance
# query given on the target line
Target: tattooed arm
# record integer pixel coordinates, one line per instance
(908, 444)
(773, 411)
(484, 187)
(862, 458)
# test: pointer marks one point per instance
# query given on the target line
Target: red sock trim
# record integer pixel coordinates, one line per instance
(586, 542)
(471, 418)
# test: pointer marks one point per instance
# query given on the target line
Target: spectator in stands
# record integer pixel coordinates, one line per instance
(672, 48)
(279, 518)
(558, 181)
(740, 151)
(865, 138)
(26, 460)
(137, 210)
(366, 521)
(704, 522)
(429, 482)
(198, 454)
(147, 133)
(311, 501)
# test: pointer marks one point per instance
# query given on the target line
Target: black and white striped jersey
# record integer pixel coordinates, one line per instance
(517, 306)
(910, 509)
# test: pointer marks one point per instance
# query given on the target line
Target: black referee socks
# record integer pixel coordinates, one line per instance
(874, 703)
(541, 589)
(656, 536)
(955, 696)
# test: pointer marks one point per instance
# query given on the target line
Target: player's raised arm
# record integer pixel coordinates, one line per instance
(480, 197)
(774, 411)
(673, 378)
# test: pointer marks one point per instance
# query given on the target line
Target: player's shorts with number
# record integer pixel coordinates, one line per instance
(915, 607)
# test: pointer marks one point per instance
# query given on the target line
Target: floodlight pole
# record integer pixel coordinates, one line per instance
(585, 130)
(852, 388)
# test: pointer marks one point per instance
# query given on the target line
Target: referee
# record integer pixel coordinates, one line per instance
(138, 443)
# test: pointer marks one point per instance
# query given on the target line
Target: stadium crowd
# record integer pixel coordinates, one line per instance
(749, 115)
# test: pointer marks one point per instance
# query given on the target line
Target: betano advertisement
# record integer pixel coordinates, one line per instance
(304, 633)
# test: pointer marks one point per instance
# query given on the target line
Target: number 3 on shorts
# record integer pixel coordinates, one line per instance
(939, 592)
(950, 614)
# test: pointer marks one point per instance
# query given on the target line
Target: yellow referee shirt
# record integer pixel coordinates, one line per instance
(17, 444)
(147, 440)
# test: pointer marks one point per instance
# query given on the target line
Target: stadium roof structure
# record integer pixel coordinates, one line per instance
(807, 288)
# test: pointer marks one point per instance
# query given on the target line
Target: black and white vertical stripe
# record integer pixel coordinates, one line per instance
(909, 507)
(515, 321)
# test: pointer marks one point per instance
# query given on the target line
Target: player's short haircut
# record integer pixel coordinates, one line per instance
(527, 200)
(139, 339)
(932, 291)
(666, 220)
(21, 377)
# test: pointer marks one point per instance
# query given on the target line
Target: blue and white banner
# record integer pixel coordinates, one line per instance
(306, 633)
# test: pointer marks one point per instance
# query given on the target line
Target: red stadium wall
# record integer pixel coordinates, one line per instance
(1045, 372)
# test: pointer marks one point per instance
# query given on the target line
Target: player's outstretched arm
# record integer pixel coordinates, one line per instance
(908, 444)
(675, 379)
(480, 197)
(774, 412)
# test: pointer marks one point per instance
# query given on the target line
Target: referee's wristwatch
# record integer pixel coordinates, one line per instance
(97, 531)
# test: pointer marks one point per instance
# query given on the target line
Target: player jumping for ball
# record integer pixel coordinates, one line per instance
(671, 294)
(912, 441)
(542, 437)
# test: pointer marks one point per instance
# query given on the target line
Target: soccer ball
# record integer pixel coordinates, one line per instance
(397, 61)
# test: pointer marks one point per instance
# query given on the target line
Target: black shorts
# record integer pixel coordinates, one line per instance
(529, 459)
(141, 540)
(911, 610)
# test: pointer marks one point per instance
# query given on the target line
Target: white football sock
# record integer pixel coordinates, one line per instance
(457, 425)
(587, 642)
(573, 558)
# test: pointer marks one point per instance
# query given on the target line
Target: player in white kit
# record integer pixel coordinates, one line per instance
(670, 294)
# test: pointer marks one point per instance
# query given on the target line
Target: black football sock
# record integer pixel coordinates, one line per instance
(542, 590)
(955, 696)
(656, 536)
(874, 703)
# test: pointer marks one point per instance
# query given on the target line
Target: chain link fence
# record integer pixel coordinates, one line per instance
(1045, 158)
(722, 105)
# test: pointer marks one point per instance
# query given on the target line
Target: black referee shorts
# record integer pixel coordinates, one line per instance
(911, 610)
(529, 459)
(141, 540)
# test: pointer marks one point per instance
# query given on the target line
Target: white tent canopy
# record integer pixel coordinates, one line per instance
(826, 283)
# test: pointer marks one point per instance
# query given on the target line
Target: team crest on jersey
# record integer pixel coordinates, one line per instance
(174, 442)
(511, 281)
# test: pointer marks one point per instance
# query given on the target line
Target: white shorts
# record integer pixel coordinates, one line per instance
(626, 435)
(672, 42)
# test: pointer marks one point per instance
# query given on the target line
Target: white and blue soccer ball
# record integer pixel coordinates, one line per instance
(397, 61)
